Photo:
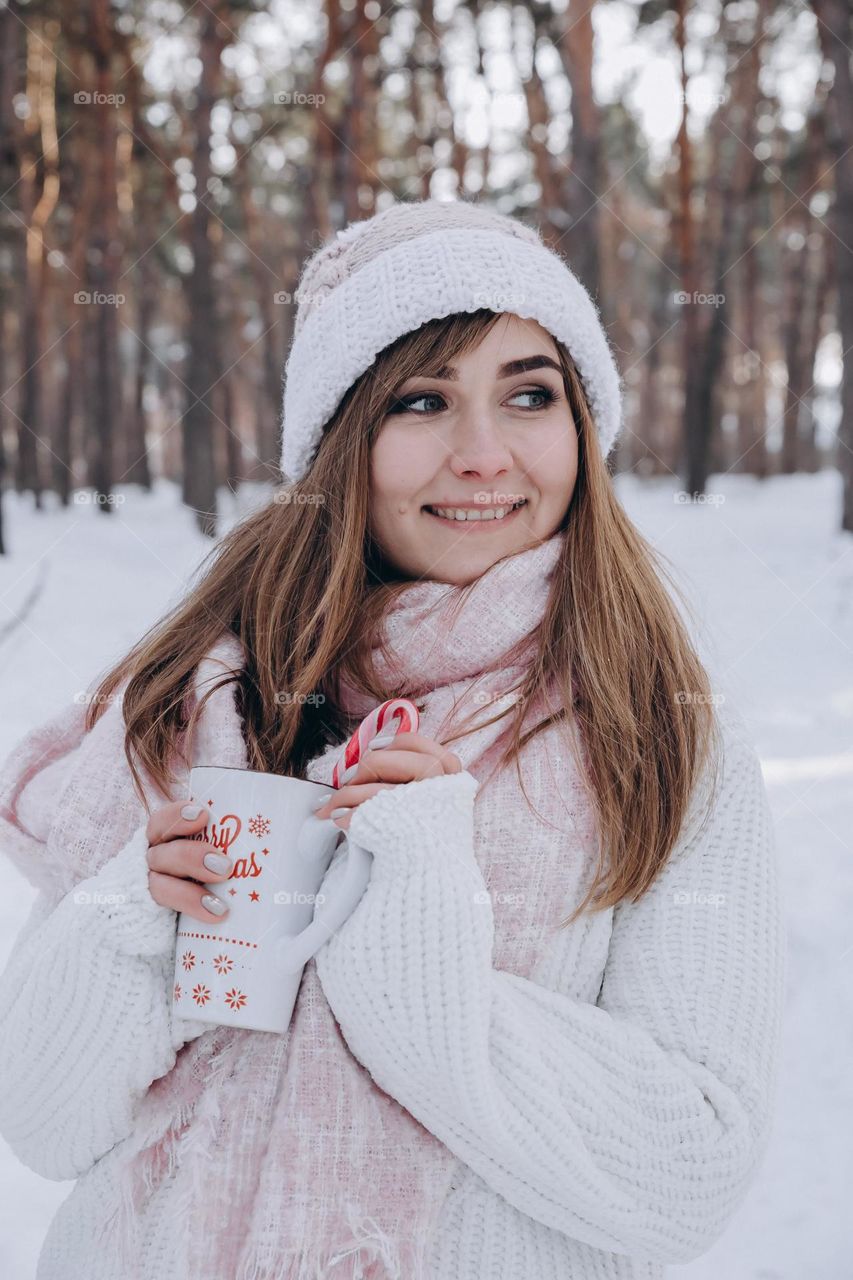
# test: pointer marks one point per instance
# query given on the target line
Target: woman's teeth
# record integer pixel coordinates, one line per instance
(478, 513)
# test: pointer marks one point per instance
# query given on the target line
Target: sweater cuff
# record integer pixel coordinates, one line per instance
(118, 895)
(429, 819)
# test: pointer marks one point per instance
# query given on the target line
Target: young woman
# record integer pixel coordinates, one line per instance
(544, 1043)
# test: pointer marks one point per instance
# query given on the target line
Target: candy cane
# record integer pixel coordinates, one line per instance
(398, 715)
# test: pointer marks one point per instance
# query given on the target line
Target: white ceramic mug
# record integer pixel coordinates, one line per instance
(245, 970)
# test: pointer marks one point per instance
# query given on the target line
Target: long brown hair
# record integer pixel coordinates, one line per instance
(303, 586)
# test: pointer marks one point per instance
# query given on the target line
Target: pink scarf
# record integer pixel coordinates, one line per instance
(289, 1162)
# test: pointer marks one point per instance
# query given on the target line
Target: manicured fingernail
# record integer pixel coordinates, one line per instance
(381, 740)
(348, 774)
(217, 862)
(339, 813)
(191, 812)
(214, 904)
(318, 804)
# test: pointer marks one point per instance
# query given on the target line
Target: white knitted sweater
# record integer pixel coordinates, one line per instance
(607, 1117)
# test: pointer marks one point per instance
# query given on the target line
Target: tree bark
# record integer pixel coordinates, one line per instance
(752, 399)
(551, 212)
(317, 191)
(795, 276)
(268, 284)
(39, 185)
(818, 293)
(704, 333)
(103, 261)
(574, 41)
(12, 82)
(836, 36)
(204, 360)
(360, 118)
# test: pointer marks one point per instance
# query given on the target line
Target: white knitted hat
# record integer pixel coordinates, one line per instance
(381, 278)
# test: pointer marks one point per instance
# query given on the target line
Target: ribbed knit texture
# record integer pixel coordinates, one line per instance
(606, 1090)
(421, 260)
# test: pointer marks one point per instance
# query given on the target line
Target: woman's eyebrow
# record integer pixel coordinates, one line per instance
(448, 373)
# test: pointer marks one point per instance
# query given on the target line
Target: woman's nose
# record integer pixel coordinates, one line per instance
(478, 446)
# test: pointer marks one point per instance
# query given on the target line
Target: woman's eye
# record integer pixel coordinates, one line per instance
(547, 397)
(407, 403)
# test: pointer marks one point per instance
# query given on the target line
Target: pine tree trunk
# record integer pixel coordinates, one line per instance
(204, 361)
(836, 36)
(104, 262)
(12, 67)
(573, 39)
(819, 292)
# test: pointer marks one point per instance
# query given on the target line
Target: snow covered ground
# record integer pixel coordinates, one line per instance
(771, 583)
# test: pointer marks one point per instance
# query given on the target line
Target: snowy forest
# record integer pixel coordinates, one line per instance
(167, 167)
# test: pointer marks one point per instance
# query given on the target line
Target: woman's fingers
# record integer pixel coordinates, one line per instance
(171, 821)
(420, 742)
(186, 858)
(412, 757)
(348, 797)
(388, 765)
(186, 895)
(177, 867)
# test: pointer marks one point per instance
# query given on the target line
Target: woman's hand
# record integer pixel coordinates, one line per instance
(413, 756)
(178, 872)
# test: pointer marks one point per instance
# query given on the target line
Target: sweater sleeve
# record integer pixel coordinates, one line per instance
(85, 1006)
(634, 1124)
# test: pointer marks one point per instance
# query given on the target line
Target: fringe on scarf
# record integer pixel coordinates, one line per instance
(195, 1146)
(371, 1254)
(151, 1155)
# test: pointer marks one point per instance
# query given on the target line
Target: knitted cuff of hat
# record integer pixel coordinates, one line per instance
(381, 278)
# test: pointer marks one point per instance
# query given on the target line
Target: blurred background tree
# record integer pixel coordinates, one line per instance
(166, 167)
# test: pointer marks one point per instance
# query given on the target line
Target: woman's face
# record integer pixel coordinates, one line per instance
(485, 437)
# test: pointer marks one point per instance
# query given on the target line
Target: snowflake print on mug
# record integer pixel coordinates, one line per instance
(177, 990)
(223, 963)
(259, 825)
(188, 960)
(235, 999)
(201, 993)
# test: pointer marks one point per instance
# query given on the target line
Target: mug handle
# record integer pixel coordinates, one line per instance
(292, 954)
